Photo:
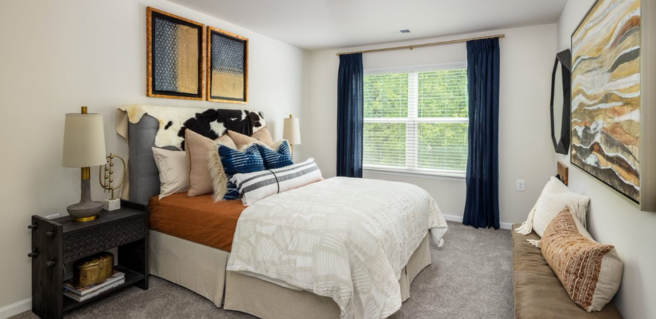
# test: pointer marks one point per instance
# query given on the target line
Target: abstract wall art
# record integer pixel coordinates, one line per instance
(606, 95)
(227, 67)
(176, 52)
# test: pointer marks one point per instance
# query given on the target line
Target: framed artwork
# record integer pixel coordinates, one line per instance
(606, 95)
(176, 53)
(227, 67)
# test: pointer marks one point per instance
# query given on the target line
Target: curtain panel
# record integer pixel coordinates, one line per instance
(482, 204)
(350, 115)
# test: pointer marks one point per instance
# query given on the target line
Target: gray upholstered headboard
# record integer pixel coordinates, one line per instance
(143, 174)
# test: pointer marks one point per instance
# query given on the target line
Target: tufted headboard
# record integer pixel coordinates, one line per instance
(143, 175)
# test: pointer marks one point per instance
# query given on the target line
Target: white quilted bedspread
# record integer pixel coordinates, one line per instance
(343, 238)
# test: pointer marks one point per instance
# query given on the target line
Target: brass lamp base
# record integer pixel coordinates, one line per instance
(84, 219)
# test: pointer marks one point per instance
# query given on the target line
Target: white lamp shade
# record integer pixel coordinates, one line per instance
(84, 141)
(292, 131)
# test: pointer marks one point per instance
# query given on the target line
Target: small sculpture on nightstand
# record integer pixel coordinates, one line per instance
(107, 180)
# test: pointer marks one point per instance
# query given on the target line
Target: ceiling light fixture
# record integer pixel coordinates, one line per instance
(405, 31)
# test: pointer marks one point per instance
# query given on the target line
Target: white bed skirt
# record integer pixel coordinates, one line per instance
(201, 269)
(196, 267)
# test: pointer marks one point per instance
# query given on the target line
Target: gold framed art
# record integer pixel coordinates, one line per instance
(606, 95)
(176, 55)
(612, 120)
(227, 67)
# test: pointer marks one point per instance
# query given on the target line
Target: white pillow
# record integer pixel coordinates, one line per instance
(173, 171)
(259, 185)
(554, 204)
(551, 204)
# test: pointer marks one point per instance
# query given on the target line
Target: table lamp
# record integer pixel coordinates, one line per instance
(291, 131)
(84, 146)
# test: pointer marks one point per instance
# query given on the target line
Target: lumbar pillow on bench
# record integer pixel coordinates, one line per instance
(589, 271)
(554, 198)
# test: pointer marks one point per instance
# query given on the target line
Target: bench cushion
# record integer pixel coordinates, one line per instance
(538, 292)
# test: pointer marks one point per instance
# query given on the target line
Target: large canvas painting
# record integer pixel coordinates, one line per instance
(176, 52)
(606, 96)
(227, 64)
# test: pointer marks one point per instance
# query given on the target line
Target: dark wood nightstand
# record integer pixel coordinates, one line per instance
(61, 241)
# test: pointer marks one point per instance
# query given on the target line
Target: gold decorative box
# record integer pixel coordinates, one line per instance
(94, 269)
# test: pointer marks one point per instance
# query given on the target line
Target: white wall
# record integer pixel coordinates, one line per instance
(525, 148)
(612, 219)
(59, 55)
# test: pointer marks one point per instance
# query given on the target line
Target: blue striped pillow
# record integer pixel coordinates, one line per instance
(276, 159)
(234, 162)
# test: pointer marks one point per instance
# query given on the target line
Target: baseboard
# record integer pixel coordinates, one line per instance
(15, 308)
(456, 218)
(453, 218)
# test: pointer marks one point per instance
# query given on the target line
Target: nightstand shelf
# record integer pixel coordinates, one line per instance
(60, 242)
(131, 278)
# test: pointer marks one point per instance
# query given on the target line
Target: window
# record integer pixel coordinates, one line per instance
(416, 120)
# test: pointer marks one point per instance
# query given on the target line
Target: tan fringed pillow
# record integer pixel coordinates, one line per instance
(198, 148)
(218, 175)
(589, 271)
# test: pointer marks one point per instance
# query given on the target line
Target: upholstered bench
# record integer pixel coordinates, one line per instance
(538, 292)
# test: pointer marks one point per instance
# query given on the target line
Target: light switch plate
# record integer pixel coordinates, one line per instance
(521, 185)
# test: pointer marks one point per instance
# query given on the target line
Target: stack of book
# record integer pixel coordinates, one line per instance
(80, 294)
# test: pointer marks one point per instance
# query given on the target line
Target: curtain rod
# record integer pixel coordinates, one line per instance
(423, 45)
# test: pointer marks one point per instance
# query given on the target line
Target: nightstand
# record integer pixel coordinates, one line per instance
(61, 241)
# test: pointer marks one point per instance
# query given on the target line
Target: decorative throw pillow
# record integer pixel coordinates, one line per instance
(263, 135)
(234, 162)
(259, 185)
(218, 175)
(173, 173)
(590, 272)
(241, 140)
(198, 149)
(552, 206)
(279, 156)
(227, 141)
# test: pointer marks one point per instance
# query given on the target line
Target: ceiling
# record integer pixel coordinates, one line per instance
(320, 24)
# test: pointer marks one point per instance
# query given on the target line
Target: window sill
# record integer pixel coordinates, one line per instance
(452, 176)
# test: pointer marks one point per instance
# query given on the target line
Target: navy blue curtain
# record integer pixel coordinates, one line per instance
(350, 122)
(482, 206)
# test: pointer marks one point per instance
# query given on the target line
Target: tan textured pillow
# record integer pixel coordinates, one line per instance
(241, 140)
(263, 135)
(227, 141)
(590, 272)
(198, 148)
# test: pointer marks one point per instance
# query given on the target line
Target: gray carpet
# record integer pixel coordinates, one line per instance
(471, 277)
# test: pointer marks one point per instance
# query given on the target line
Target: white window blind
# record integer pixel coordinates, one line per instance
(416, 120)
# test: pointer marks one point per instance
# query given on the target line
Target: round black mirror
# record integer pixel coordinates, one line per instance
(561, 102)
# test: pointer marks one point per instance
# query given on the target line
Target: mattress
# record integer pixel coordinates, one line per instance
(197, 219)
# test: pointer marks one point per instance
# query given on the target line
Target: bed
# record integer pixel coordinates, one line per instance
(191, 242)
